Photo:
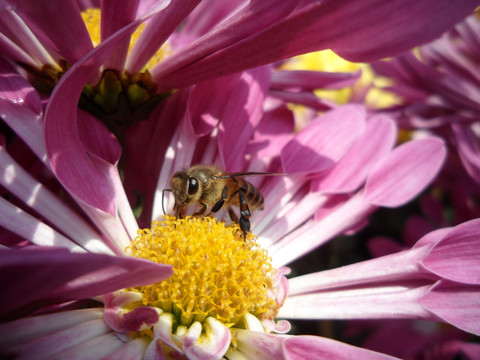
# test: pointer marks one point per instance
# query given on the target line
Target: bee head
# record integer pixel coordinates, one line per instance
(184, 188)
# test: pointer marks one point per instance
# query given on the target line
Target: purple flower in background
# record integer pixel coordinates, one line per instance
(440, 90)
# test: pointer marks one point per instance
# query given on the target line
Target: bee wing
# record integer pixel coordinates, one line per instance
(235, 174)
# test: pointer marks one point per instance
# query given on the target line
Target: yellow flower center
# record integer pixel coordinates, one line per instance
(118, 98)
(217, 273)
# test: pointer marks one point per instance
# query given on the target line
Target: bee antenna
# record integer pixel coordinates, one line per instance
(163, 202)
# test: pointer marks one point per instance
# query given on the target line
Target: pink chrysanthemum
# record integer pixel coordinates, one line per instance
(182, 288)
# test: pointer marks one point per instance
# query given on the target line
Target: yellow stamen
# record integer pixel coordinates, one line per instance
(92, 19)
(216, 272)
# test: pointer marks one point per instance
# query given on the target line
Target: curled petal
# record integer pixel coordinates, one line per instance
(214, 346)
(139, 319)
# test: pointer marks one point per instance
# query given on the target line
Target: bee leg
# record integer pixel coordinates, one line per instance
(219, 204)
(201, 211)
(245, 214)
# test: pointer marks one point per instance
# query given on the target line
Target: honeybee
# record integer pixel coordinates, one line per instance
(207, 186)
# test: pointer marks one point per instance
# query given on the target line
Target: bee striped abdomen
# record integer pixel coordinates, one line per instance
(251, 193)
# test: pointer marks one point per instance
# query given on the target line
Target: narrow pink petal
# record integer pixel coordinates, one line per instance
(115, 15)
(468, 149)
(313, 80)
(44, 202)
(456, 256)
(71, 159)
(361, 32)
(157, 31)
(26, 124)
(352, 170)
(324, 141)
(45, 346)
(11, 50)
(58, 25)
(55, 275)
(405, 172)
(16, 89)
(398, 266)
(456, 304)
(95, 348)
(257, 345)
(29, 328)
(19, 43)
(209, 14)
(274, 131)
(133, 350)
(315, 347)
(395, 301)
(241, 115)
(30, 228)
(114, 233)
(338, 220)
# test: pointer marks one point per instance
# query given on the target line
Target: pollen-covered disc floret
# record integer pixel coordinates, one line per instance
(217, 273)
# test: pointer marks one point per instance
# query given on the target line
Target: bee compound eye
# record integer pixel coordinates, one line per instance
(192, 185)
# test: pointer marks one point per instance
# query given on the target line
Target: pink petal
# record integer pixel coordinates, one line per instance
(95, 348)
(29, 328)
(58, 25)
(315, 347)
(115, 15)
(140, 318)
(456, 304)
(72, 160)
(16, 89)
(257, 345)
(157, 31)
(133, 350)
(390, 301)
(47, 346)
(456, 257)
(402, 265)
(18, 42)
(241, 114)
(405, 172)
(69, 156)
(352, 170)
(30, 228)
(55, 275)
(324, 141)
(359, 31)
(20, 183)
(215, 344)
(312, 80)
(468, 149)
(274, 131)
